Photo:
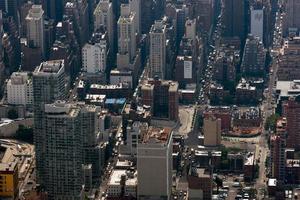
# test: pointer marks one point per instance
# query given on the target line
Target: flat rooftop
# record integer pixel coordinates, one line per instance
(116, 175)
(50, 67)
(157, 135)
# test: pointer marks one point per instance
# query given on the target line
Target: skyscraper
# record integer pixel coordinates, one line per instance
(234, 18)
(126, 37)
(70, 132)
(254, 57)
(147, 7)
(10, 7)
(257, 22)
(1, 35)
(154, 164)
(103, 16)
(157, 59)
(292, 112)
(277, 154)
(135, 7)
(35, 28)
(292, 18)
(162, 97)
(48, 85)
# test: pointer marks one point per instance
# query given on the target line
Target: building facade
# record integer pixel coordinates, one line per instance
(35, 28)
(94, 57)
(48, 85)
(157, 59)
(154, 164)
(19, 89)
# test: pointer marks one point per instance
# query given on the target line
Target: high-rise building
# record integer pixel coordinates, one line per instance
(292, 18)
(83, 10)
(154, 164)
(126, 37)
(190, 29)
(70, 138)
(135, 7)
(202, 10)
(48, 85)
(147, 7)
(94, 57)
(157, 59)
(10, 7)
(1, 36)
(103, 16)
(19, 89)
(212, 131)
(162, 97)
(278, 147)
(292, 113)
(24, 9)
(288, 69)
(257, 22)
(234, 18)
(53, 9)
(254, 57)
(35, 28)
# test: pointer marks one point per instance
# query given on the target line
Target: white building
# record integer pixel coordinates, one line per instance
(126, 37)
(134, 134)
(257, 23)
(103, 16)
(157, 58)
(122, 180)
(94, 57)
(135, 7)
(154, 164)
(19, 89)
(190, 29)
(35, 27)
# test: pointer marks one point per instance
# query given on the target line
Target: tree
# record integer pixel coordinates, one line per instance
(12, 114)
(271, 122)
(25, 134)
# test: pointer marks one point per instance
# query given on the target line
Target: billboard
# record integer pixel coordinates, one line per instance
(188, 69)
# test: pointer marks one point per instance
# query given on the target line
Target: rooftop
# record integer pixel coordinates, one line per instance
(8, 167)
(157, 135)
(292, 163)
(249, 159)
(116, 176)
(50, 67)
(272, 182)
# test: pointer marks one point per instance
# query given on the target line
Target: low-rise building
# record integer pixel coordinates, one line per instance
(121, 90)
(249, 167)
(223, 113)
(117, 77)
(245, 93)
(9, 180)
(200, 184)
(122, 183)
